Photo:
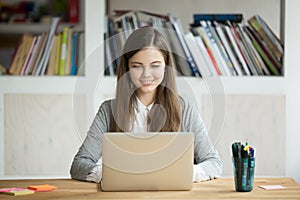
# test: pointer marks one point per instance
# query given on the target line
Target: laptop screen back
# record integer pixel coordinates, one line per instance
(147, 161)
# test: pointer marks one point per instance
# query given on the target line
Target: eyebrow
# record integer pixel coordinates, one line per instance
(157, 61)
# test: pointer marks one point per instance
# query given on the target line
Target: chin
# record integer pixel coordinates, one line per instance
(147, 89)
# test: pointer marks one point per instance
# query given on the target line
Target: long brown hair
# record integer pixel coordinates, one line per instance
(165, 114)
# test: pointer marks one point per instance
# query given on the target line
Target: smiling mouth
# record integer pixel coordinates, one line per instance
(147, 82)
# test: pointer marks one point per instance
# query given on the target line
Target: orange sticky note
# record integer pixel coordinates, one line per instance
(42, 188)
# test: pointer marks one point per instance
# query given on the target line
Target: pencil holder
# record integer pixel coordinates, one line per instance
(243, 171)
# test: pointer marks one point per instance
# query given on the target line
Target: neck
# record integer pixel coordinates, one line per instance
(146, 99)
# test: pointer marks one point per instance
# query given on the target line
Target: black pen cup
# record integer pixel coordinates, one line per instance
(243, 171)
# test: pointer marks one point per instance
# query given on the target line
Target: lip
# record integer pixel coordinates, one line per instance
(147, 82)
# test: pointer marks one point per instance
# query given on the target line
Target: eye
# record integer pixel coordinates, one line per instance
(136, 66)
(155, 66)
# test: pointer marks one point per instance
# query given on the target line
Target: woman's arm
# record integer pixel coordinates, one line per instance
(206, 158)
(91, 149)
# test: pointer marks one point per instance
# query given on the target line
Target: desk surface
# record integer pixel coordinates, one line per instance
(216, 189)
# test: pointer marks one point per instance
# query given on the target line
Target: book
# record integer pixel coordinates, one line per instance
(275, 40)
(197, 55)
(73, 11)
(260, 65)
(211, 43)
(33, 55)
(16, 191)
(204, 53)
(246, 52)
(237, 18)
(225, 41)
(39, 54)
(63, 51)
(3, 70)
(115, 53)
(262, 29)
(81, 56)
(17, 50)
(57, 56)
(51, 63)
(262, 53)
(179, 62)
(69, 51)
(46, 54)
(199, 31)
(264, 48)
(74, 54)
(223, 53)
(21, 54)
(237, 50)
(179, 31)
(29, 55)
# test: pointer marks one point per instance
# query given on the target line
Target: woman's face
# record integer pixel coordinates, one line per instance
(147, 68)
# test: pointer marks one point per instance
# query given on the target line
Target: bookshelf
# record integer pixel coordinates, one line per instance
(252, 93)
(281, 15)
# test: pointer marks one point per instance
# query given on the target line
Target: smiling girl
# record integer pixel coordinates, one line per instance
(146, 100)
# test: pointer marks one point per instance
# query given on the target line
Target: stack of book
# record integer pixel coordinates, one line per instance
(224, 45)
(217, 44)
(123, 22)
(49, 53)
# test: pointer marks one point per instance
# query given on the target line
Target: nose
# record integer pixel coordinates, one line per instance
(146, 71)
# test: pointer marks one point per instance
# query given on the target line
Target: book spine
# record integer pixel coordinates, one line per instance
(258, 28)
(179, 33)
(207, 58)
(233, 59)
(197, 55)
(226, 60)
(57, 57)
(63, 51)
(29, 56)
(237, 51)
(218, 17)
(74, 54)
(73, 11)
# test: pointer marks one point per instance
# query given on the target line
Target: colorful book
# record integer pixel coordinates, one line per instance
(69, 51)
(39, 53)
(51, 62)
(46, 54)
(57, 57)
(180, 34)
(29, 55)
(21, 54)
(226, 42)
(197, 55)
(237, 50)
(256, 23)
(74, 55)
(262, 53)
(63, 51)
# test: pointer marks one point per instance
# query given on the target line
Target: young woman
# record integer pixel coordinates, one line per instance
(146, 100)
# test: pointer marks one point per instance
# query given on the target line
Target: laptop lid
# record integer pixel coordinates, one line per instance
(147, 161)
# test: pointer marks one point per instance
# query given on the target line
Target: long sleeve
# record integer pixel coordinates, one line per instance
(95, 174)
(205, 155)
(91, 149)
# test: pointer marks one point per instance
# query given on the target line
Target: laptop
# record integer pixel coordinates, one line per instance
(147, 161)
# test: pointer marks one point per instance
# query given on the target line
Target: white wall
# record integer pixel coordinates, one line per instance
(292, 53)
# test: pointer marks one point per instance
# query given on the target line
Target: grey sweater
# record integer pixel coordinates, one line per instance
(91, 150)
